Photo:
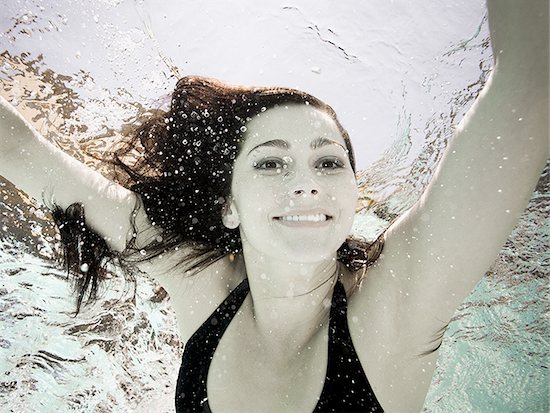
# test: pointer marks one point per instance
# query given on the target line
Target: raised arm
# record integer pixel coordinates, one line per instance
(440, 249)
(48, 174)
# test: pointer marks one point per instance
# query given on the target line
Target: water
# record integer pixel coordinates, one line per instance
(83, 73)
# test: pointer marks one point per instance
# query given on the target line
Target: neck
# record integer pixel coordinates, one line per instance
(291, 300)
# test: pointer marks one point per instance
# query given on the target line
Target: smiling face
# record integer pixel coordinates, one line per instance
(293, 190)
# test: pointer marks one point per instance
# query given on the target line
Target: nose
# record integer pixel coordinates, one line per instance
(303, 186)
(298, 192)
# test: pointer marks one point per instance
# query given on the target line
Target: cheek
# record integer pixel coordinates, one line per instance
(348, 196)
(353, 190)
(345, 187)
(254, 198)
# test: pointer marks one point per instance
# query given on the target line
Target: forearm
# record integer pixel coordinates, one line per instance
(485, 178)
(519, 38)
(48, 174)
(29, 161)
(15, 131)
(520, 42)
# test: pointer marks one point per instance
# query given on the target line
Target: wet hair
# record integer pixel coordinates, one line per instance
(180, 163)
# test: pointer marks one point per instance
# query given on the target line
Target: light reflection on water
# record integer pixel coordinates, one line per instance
(115, 357)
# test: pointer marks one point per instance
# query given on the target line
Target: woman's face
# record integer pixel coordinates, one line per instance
(294, 192)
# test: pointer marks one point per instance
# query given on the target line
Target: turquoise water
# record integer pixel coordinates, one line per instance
(498, 344)
(119, 356)
(82, 73)
(494, 356)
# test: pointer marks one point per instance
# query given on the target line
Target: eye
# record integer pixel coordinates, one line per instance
(270, 164)
(330, 163)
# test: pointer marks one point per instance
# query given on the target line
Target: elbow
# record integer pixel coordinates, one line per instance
(86, 254)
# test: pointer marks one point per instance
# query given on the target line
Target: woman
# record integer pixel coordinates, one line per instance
(253, 191)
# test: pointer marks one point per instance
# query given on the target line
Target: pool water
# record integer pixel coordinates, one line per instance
(400, 76)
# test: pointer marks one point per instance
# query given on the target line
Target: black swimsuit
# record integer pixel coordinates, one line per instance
(346, 387)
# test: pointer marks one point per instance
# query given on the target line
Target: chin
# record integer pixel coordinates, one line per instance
(304, 253)
(299, 248)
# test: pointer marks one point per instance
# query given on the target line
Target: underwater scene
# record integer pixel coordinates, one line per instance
(400, 75)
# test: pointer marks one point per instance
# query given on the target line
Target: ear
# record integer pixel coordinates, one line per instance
(230, 216)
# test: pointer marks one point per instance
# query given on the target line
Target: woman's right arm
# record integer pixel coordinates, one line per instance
(49, 175)
(44, 172)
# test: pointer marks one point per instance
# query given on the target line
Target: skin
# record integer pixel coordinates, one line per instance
(271, 181)
(283, 261)
(433, 255)
(282, 325)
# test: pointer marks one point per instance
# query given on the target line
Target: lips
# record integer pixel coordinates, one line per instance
(311, 215)
(304, 218)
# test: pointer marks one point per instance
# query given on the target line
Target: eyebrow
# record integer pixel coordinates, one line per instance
(315, 144)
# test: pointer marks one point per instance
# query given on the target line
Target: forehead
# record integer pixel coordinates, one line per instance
(297, 124)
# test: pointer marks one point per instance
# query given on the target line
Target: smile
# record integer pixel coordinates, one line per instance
(304, 218)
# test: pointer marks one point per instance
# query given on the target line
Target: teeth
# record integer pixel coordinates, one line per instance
(313, 218)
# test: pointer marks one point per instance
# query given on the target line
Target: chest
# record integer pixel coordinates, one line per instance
(226, 364)
(245, 375)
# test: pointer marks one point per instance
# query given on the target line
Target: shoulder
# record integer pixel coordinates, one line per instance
(195, 296)
(392, 304)
(391, 350)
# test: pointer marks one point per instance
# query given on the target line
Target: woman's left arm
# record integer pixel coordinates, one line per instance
(442, 247)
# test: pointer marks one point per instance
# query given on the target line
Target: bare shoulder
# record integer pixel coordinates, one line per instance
(373, 308)
(394, 356)
(392, 305)
(194, 296)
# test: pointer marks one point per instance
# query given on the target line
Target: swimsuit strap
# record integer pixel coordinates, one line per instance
(200, 349)
(346, 386)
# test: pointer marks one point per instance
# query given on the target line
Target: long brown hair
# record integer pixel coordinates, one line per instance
(180, 164)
